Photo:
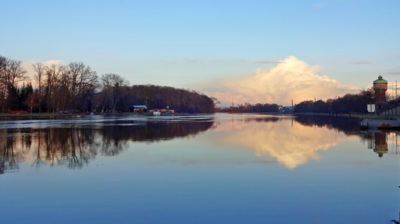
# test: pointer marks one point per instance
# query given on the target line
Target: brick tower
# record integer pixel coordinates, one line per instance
(380, 87)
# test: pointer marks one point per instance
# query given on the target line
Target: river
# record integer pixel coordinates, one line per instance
(217, 168)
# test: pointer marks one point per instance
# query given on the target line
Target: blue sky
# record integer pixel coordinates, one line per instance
(193, 44)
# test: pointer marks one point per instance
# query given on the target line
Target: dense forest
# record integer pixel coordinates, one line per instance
(76, 87)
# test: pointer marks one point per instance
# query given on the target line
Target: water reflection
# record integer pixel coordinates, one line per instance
(75, 147)
(290, 141)
(380, 142)
(349, 126)
(9, 159)
(296, 140)
(189, 179)
(377, 140)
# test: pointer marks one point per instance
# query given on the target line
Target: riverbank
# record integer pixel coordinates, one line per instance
(351, 115)
(9, 116)
(6, 116)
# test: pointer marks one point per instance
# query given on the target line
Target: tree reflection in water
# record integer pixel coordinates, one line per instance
(377, 140)
(349, 126)
(9, 158)
(76, 146)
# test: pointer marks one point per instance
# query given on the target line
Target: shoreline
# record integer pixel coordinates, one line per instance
(4, 116)
(355, 115)
(75, 115)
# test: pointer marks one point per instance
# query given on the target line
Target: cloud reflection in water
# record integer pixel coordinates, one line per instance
(289, 142)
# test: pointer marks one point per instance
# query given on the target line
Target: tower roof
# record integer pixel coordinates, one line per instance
(380, 80)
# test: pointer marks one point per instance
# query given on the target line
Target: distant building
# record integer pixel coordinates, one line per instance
(380, 87)
(138, 108)
(286, 109)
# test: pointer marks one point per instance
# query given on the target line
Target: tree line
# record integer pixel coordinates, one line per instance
(76, 87)
(252, 108)
(349, 103)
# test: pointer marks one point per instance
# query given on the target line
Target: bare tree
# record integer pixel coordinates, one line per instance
(63, 90)
(83, 82)
(112, 84)
(3, 87)
(14, 72)
(40, 70)
(3, 63)
(75, 69)
(11, 72)
(52, 76)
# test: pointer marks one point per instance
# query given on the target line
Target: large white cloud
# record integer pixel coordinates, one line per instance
(290, 79)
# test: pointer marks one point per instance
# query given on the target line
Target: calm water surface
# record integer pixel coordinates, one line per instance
(219, 168)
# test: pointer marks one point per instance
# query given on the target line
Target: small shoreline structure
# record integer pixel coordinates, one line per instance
(144, 110)
(383, 123)
(164, 111)
(159, 112)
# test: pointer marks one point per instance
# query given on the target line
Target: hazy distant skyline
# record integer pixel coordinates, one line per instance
(229, 49)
